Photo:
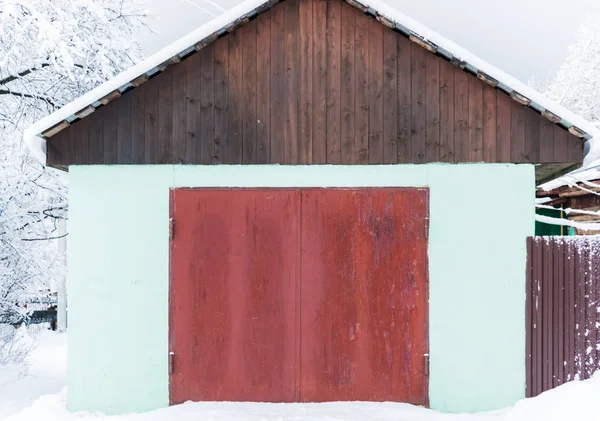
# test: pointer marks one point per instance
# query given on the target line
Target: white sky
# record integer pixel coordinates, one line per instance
(524, 38)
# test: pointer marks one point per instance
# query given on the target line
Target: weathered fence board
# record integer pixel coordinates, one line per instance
(562, 311)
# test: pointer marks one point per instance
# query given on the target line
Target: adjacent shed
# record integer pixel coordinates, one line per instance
(298, 202)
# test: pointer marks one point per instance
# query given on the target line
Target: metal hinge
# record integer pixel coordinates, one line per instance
(426, 357)
(171, 229)
(171, 362)
(426, 228)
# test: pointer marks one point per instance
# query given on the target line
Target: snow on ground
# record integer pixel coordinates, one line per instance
(45, 372)
(40, 394)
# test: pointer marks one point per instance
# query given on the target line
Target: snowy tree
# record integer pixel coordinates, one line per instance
(51, 51)
(576, 85)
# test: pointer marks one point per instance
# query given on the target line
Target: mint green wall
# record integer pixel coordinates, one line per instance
(118, 275)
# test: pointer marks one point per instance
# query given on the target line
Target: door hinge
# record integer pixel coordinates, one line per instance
(171, 362)
(171, 229)
(426, 228)
(426, 362)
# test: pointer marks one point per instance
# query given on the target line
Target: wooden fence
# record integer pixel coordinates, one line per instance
(562, 310)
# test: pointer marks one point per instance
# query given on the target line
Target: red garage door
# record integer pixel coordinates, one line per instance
(283, 295)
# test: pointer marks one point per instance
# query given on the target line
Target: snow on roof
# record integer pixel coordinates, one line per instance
(35, 135)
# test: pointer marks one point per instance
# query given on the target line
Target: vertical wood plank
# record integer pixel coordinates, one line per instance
(319, 136)
(432, 112)
(475, 120)
(376, 105)
(580, 346)
(165, 115)
(249, 61)
(263, 88)
(290, 128)
(517, 133)
(277, 83)
(591, 309)
(124, 129)
(419, 113)
(529, 297)
(334, 25)
(446, 111)
(532, 136)
(560, 144)
(151, 120)
(348, 78)
(574, 149)
(179, 113)
(539, 320)
(461, 116)
(305, 131)
(560, 359)
(546, 141)
(503, 124)
(361, 104)
(193, 135)
(556, 266)
(236, 99)
(489, 124)
(207, 109)
(138, 147)
(404, 143)
(221, 150)
(548, 289)
(570, 311)
(390, 97)
(97, 139)
(79, 142)
(109, 140)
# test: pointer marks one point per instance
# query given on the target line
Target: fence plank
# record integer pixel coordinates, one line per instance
(528, 318)
(538, 318)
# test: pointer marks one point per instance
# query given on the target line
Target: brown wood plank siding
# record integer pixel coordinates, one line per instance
(319, 88)
(376, 94)
(446, 111)
(79, 142)
(109, 138)
(208, 154)
(432, 112)
(404, 100)
(334, 27)
(123, 129)
(361, 87)
(489, 124)
(193, 122)
(165, 116)
(475, 120)
(348, 77)
(236, 97)
(314, 81)
(277, 82)
(305, 131)
(222, 101)
(178, 137)
(390, 97)
(461, 116)
(249, 60)
(291, 82)
(418, 91)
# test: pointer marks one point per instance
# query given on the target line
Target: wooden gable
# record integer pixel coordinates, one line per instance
(315, 82)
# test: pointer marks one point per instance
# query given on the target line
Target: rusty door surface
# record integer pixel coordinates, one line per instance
(233, 317)
(364, 295)
(286, 295)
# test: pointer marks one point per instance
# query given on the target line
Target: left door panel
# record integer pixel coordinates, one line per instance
(233, 295)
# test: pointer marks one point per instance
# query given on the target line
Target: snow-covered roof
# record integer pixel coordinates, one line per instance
(36, 134)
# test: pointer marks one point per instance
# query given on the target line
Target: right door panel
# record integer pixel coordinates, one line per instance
(364, 295)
